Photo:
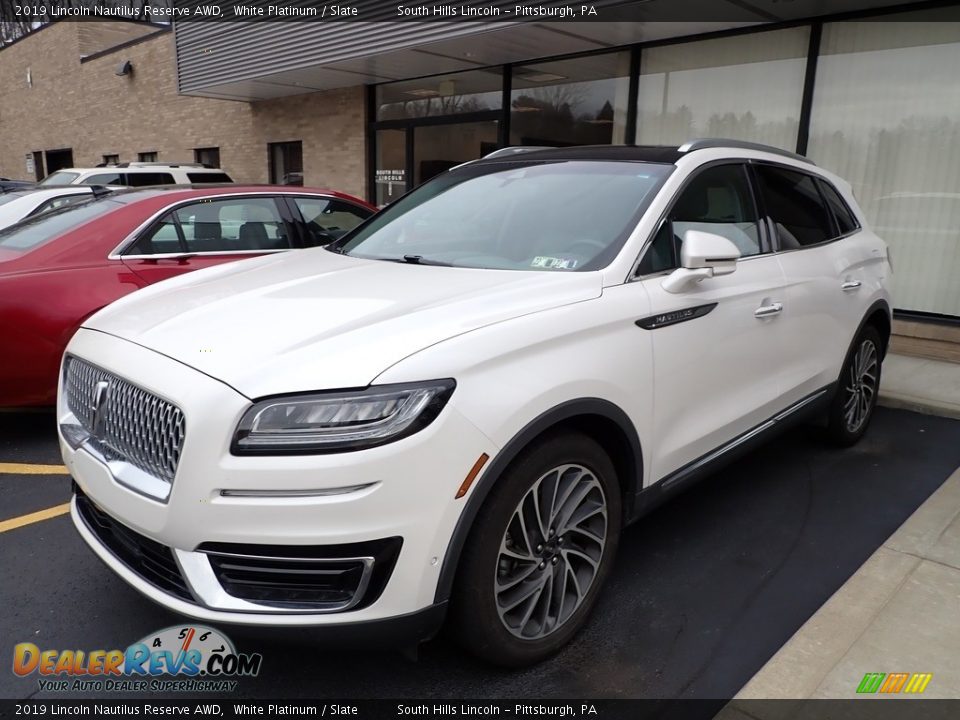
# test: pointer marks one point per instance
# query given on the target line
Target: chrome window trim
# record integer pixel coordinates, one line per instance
(205, 253)
(134, 235)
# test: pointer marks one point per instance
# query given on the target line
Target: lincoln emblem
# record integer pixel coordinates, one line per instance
(97, 417)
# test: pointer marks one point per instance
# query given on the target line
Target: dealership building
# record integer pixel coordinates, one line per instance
(375, 108)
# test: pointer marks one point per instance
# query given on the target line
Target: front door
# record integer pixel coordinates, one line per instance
(716, 345)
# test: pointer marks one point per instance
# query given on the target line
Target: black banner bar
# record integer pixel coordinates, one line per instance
(872, 708)
(511, 11)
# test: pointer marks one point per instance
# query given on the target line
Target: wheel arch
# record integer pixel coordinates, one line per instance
(879, 316)
(602, 420)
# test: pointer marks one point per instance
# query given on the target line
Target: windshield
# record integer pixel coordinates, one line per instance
(546, 216)
(59, 178)
(11, 196)
(36, 230)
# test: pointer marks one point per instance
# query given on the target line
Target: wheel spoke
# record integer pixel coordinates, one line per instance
(533, 588)
(518, 578)
(574, 503)
(538, 511)
(566, 495)
(586, 533)
(527, 540)
(526, 615)
(567, 552)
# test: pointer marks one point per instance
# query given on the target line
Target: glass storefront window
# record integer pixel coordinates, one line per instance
(390, 173)
(570, 102)
(454, 94)
(886, 117)
(744, 87)
(439, 147)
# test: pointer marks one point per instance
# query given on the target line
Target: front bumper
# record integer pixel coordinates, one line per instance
(404, 490)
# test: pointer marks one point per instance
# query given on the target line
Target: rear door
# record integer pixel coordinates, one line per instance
(209, 232)
(822, 309)
(717, 345)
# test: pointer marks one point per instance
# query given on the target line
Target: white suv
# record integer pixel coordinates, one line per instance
(456, 408)
(138, 174)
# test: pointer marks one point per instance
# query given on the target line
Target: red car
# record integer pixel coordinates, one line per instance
(60, 267)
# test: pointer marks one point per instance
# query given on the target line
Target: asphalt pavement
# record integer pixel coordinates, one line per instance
(704, 592)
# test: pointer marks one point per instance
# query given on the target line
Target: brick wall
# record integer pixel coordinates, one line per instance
(86, 107)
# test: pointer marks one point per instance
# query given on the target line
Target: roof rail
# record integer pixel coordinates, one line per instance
(514, 150)
(146, 164)
(705, 143)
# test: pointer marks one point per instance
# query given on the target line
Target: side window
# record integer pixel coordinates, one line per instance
(105, 179)
(329, 220)
(142, 179)
(161, 239)
(235, 225)
(718, 200)
(794, 204)
(846, 222)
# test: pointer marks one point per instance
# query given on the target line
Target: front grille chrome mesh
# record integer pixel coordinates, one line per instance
(131, 424)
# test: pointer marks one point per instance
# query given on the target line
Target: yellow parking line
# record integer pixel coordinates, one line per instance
(18, 522)
(31, 469)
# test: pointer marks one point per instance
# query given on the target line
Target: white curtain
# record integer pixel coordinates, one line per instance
(744, 87)
(886, 116)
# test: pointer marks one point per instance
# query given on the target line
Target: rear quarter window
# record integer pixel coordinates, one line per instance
(201, 178)
(846, 222)
(141, 179)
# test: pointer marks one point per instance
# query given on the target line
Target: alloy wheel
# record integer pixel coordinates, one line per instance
(551, 551)
(861, 386)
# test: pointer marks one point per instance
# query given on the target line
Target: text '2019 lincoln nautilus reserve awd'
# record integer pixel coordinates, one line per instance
(454, 410)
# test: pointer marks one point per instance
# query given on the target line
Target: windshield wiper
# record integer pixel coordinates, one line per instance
(417, 260)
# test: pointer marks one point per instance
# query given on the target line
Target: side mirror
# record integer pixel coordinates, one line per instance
(703, 255)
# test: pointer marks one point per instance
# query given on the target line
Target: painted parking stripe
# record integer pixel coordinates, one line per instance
(39, 516)
(31, 469)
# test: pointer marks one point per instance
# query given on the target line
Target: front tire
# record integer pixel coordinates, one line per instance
(857, 390)
(541, 548)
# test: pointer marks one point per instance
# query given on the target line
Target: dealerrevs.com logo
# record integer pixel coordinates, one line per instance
(194, 658)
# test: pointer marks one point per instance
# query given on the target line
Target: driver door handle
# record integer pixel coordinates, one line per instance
(850, 285)
(768, 310)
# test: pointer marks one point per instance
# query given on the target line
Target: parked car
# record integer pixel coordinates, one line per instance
(58, 268)
(138, 174)
(457, 407)
(19, 204)
(6, 184)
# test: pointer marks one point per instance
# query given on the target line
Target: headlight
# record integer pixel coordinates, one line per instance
(339, 421)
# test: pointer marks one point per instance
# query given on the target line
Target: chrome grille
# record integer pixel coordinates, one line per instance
(132, 425)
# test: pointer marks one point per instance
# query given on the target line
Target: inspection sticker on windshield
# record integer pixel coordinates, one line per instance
(554, 263)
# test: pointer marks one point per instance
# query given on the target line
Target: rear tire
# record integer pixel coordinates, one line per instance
(540, 550)
(856, 396)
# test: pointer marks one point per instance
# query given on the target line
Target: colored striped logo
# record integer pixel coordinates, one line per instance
(913, 683)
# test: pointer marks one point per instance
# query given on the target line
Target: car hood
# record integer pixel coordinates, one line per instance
(313, 320)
